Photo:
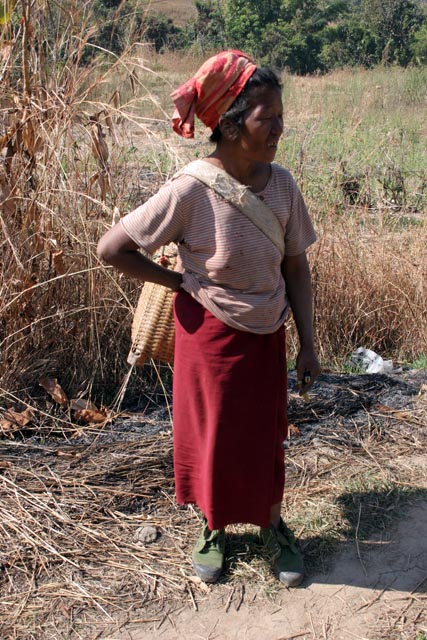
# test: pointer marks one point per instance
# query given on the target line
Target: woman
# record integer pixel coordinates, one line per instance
(234, 289)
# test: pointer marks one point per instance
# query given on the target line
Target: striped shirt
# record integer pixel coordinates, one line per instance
(228, 265)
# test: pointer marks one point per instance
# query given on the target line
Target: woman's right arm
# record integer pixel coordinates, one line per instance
(118, 249)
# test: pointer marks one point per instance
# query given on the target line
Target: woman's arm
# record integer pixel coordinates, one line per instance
(117, 248)
(296, 272)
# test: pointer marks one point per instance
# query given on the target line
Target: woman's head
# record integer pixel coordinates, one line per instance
(222, 93)
(262, 78)
(211, 91)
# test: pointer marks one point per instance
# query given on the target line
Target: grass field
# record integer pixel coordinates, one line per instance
(180, 10)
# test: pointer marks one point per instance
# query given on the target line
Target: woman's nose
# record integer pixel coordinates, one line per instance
(277, 126)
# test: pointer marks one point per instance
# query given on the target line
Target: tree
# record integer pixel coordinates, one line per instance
(161, 31)
(348, 43)
(393, 22)
(419, 46)
(295, 40)
(207, 30)
(243, 26)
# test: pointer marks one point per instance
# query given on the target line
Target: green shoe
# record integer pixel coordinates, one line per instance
(282, 550)
(208, 554)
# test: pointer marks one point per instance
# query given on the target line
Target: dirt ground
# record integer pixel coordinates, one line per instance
(373, 588)
(371, 591)
(72, 566)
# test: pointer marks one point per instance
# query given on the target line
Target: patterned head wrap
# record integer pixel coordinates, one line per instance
(211, 91)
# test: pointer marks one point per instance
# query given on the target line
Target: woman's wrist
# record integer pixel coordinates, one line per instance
(177, 281)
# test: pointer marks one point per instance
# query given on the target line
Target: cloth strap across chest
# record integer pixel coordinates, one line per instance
(241, 197)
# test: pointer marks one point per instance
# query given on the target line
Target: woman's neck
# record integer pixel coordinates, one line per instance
(254, 175)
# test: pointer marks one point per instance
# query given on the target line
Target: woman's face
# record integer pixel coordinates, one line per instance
(262, 125)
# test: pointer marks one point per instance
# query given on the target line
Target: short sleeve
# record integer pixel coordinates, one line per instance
(158, 221)
(300, 233)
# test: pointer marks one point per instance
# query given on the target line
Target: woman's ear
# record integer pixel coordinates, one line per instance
(229, 129)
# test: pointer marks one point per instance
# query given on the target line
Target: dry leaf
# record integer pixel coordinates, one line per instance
(58, 263)
(68, 454)
(423, 390)
(132, 78)
(29, 136)
(199, 583)
(13, 421)
(89, 416)
(5, 50)
(103, 183)
(32, 214)
(116, 216)
(7, 202)
(92, 181)
(55, 390)
(5, 465)
(86, 411)
(399, 415)
(77, 404)
(99, 146)
(115, 99)
(294, 431)
(383, 408)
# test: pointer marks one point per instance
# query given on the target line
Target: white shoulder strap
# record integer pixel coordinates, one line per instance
(241, 197)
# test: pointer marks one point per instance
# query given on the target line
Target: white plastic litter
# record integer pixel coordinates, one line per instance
(371, 362)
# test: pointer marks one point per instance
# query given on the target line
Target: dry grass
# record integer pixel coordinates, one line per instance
(370, 288)
(72, 564)
(86, 143)
(80, 146)
(181, 11)
(68, 169)
(82, 151)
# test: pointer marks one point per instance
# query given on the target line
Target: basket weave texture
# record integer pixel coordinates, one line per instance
(153, 331)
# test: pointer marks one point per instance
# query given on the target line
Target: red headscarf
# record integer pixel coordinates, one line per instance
(211, 91)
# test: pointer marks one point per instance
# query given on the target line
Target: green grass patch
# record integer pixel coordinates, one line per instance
(419, 363)
(364, 129)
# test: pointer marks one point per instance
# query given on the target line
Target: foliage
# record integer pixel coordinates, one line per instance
(207, 30)
(419, 46)
(307, 36)
(295, 40)
(6, 9)
(245, 22)
(303, 36)
(393, 23)
(348, 43)
(161, 31)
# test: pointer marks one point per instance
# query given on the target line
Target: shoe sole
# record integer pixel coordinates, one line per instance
(207, 574)
(290, 579)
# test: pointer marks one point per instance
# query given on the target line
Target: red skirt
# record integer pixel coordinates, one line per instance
(229, 417)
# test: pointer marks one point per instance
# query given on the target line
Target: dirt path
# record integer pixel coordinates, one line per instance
(375, 589)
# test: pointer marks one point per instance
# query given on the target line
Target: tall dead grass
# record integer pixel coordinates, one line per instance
(68, 165)
(370, 287)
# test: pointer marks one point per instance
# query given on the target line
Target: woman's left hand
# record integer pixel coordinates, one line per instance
(308, 369)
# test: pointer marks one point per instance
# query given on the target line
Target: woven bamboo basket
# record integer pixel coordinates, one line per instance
(153, 331)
